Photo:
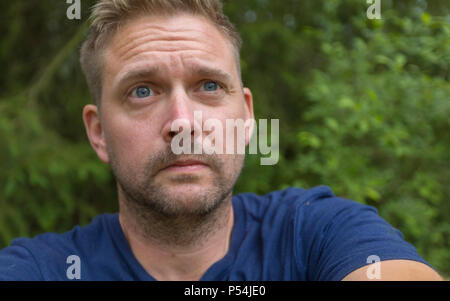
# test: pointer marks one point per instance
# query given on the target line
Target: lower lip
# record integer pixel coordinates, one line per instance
(185, 168)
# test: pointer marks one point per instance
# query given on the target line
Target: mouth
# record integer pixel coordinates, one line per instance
(186, 165)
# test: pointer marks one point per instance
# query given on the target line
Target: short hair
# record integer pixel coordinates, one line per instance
(109, 15)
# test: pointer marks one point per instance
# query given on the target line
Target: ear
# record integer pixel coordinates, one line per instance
(94, 131)
(249, 116)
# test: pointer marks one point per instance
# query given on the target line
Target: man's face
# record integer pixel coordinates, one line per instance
(158, 70)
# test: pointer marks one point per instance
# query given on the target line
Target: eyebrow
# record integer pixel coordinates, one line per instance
(195, 70)
(210, 72)
(137, 74)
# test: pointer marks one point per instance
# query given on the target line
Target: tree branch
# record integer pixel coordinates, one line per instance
(45, 78)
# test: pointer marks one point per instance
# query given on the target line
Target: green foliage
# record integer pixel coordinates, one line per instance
(363, 108)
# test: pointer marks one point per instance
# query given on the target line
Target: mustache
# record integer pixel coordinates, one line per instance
(166, 157)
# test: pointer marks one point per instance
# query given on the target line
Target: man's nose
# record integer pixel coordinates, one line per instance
(180, 111)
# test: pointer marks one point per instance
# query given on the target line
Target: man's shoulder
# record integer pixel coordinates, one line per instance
(292, 226)
(66, 240)
(47, 253)
(311, 210)
(287, 199)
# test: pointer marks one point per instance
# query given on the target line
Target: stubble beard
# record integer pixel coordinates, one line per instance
(171, 218)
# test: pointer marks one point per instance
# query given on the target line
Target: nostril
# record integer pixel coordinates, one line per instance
(172, 134)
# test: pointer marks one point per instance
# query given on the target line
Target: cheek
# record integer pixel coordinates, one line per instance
(129, 141)
(234, 111)
(232, 130)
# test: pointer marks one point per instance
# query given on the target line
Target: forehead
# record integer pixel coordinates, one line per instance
(168, 41)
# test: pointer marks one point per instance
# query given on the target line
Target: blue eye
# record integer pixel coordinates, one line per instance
(142, 92)
(210, 86)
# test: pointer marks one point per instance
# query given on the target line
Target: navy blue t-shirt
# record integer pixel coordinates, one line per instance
(292, 234)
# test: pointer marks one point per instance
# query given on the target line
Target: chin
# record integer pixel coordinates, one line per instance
(187, 192)
(191, 198)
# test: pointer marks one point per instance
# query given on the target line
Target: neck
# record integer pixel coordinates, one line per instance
(177, 248)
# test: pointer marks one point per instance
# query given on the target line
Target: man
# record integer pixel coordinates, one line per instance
(148, 65)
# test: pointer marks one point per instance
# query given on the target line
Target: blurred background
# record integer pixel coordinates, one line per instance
(363, 106)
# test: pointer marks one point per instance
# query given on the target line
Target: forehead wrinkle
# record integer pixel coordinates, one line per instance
(154, 33)
(159, 47)
(146, 39)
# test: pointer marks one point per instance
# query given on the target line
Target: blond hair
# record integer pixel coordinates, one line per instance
(108, 15)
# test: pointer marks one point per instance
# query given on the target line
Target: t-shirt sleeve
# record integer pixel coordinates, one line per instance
(18, 264)
(338, 236)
